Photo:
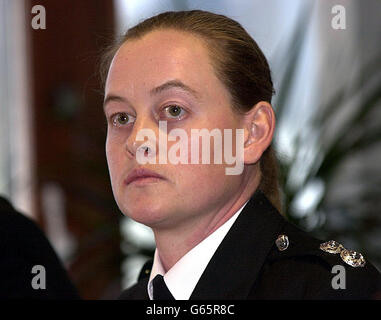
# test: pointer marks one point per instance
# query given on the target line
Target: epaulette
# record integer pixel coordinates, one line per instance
(293, 243)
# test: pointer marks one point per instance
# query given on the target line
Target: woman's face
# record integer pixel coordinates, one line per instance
(166, 76)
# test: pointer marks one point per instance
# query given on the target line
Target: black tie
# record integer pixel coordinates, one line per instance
(160, 290)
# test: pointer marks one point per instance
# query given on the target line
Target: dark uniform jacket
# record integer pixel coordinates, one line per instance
(251, 264)
(23, 245)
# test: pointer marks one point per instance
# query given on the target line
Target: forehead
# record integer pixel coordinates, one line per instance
(158, 57)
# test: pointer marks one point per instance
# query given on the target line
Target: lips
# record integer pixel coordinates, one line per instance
(141, 173)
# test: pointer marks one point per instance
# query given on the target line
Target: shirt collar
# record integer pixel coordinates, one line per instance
(182, 278)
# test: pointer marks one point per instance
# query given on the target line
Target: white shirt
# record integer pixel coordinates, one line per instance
(182, 278)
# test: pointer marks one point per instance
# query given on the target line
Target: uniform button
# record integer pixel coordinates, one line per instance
(282, 242)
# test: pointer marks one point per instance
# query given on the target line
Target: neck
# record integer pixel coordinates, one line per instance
(173, 243)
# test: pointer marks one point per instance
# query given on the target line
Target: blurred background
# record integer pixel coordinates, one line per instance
(325, 58)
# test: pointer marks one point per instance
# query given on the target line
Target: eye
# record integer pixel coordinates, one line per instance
(121, 119)
(174, 111)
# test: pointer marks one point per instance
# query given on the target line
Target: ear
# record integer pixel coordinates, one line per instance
(259, 126)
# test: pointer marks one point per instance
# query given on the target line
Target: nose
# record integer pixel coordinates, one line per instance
(142, 139)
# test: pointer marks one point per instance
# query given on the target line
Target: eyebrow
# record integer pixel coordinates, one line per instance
(174, 84)
(165, 86)
(113, 97)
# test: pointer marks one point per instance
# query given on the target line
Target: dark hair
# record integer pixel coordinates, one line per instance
(237, 60)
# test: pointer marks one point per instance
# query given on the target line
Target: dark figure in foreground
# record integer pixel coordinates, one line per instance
(24, 246)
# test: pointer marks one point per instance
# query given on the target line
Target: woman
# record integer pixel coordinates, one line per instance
(218, 235)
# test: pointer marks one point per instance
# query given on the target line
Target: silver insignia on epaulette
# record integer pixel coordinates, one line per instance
(353, 258)
(282, 242)
(331, 247)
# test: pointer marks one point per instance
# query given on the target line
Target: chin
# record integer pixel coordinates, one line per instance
(149, 214)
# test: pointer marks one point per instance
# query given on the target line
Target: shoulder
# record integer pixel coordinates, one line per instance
(301, 266)
(15, 225)
(136, 292)
(139, 290)
(20, 234)
(23, 245)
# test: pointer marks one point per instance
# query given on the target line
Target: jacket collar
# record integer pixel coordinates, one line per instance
(236, 263)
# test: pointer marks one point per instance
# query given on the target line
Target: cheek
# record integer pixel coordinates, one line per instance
(200, 188)
(113, 156)
(109, 153)
(200, 179)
